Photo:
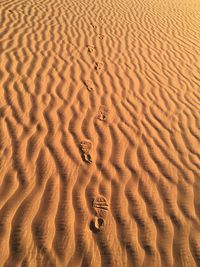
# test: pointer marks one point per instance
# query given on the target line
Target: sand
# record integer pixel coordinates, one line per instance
(99, 133)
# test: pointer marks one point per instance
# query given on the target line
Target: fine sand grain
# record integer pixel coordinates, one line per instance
(99, 133)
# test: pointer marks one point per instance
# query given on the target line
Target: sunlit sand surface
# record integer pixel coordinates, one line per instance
(99, 133)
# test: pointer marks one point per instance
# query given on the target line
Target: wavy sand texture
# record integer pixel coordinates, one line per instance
(125, 75)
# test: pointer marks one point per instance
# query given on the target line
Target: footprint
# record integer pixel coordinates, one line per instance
(101, 36)
(87, 158)
(103, 113)
(93, 26)
(100, 206)
(85, 148)
(90, 48)
(89, 85)
(98, 66)
(97, 224)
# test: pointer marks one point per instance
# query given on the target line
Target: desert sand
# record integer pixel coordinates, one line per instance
(99, 133)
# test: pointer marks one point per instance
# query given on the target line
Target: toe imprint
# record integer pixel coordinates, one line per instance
(85, 146)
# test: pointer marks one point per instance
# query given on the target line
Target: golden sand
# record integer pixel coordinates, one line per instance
(99, 133)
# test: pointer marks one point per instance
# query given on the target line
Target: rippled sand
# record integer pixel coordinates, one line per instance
(99, 133)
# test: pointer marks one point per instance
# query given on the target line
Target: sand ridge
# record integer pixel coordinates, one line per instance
(99, 133)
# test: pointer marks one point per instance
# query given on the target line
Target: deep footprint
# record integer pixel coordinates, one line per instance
(87, 158)
(97, 224)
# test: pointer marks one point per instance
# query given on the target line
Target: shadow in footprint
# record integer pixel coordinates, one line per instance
(93, 26)
(89, 85)
(101, 36)
(85, 149)
(97, 224)
(90, 48)
(98, 66)
(103, 113)
(86, 157)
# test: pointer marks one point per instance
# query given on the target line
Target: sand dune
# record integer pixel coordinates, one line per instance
(99, 133)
